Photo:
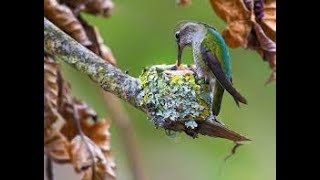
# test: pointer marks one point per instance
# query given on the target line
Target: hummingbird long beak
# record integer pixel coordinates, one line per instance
(180, 49)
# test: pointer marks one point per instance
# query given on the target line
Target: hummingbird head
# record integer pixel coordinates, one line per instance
(187, 33)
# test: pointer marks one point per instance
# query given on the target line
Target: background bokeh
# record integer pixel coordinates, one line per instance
(140, 33)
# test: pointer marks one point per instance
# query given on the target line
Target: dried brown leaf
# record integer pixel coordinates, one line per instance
(63, 143)
(251, 24)
(85, 113)
(265, 42)
(95, 7)
(62, 16)
(268, 22)
(56, 146)
(50, 91)
(75, 4)
(101, 173)
(265, 47)
(82, 150)
(89, 32)
(98, 132)
(238, 17)
(236, 33)
(50, 79)
(99, 7)
(97, 45)
(231, 10)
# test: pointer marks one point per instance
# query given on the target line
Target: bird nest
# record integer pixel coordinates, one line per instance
(178, 100)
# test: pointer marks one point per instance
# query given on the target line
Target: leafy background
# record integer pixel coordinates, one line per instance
(140, 33)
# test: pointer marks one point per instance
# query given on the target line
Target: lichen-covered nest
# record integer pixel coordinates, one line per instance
(180, 101)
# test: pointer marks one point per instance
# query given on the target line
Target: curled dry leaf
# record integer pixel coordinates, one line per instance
(251, 24)
(234, 33)
(84, 153)
(98, 132)
(63, 17)
(67, 18)
(101, 173)
(85, 113)
(56, 146)
(97, 45)
(99, 7)
(62, 143)
(75, 5)
(50, 79)
(82, 150)
(50, 91)
(235, 13)
(95, 7)
(268, 22)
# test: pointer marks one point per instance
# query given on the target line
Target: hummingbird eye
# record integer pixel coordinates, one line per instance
(177, 35)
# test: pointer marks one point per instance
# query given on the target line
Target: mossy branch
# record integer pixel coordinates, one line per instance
(175, 100)
(62, 47)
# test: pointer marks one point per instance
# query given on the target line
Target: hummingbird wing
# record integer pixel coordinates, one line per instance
(214, 65)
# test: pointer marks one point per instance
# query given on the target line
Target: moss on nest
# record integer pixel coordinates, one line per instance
(175, 95)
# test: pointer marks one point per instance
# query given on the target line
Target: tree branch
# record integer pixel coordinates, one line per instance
(174, 99)
(61, 46)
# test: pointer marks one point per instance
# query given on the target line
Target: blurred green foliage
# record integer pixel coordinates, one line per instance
(140, 33)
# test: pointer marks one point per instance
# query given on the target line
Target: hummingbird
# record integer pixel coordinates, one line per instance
(211, 58)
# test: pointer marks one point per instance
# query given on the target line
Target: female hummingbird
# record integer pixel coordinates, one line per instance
(211, 58)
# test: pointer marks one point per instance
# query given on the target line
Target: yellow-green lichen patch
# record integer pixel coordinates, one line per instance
(175, 95)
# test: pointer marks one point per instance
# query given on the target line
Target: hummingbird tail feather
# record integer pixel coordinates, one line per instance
(237, 102)
(239, 98)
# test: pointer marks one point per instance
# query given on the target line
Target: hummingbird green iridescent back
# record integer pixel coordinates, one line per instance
(215, 43)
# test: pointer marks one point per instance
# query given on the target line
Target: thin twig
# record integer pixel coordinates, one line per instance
(49, 169)
(233, 150)
(121, 119)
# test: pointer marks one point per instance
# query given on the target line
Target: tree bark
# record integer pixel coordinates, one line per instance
(62, 47)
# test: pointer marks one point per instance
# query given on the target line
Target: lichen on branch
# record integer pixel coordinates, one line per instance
(174, 96)
(174, 99)
(62, 47)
